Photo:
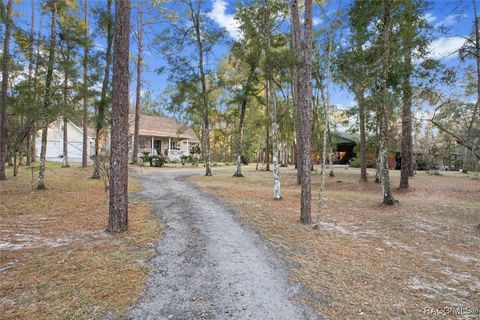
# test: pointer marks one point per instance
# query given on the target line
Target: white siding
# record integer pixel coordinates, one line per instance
(55, 142)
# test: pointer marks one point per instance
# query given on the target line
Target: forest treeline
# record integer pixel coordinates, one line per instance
(268, 97)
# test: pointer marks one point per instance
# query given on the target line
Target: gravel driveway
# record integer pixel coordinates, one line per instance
(208, 265)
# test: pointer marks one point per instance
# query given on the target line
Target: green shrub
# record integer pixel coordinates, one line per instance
(354, 163)
(157, 160)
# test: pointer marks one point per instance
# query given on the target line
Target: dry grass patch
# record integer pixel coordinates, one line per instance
(368, 260)
(57, 262)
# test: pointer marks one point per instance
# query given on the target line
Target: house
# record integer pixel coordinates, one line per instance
(343, 144)
(163, 135)
(75, 142)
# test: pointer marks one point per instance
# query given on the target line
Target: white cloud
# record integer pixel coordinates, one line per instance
(450, 20)
(430, 18)
(444, 47)
(225, 20)
(316, 21)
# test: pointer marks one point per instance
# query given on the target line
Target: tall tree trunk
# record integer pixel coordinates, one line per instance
(138, 99)
(47, 99)
(118, 205)
(85, 91)
(363, 142)
(243, 108)
(65, 163)
(477, 60)
(271, 103)
(4, 93)
(296, 75)
(267, 133)
(384, 114)
(406, 165)
(327, 105)
(33, 145)
(305, 93)
(195, 16)
(30, 77)
(100, 140)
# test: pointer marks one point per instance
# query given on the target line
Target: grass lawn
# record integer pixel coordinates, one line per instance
(367, 260)
(56, 260)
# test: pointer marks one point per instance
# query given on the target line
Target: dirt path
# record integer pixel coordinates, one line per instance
(208, 265)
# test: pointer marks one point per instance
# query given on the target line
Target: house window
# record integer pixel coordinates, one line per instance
(174, 145)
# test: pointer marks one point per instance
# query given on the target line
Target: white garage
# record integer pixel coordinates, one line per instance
(55, 142)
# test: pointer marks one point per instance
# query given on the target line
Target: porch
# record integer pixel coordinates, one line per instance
(171, 147)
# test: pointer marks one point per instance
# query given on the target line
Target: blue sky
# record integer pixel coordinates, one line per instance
(456, 15)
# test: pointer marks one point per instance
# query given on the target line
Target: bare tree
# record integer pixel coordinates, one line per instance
(118, 205)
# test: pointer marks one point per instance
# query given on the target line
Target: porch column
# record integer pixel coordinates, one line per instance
(169, 144)
(151, 151)
(188, 149)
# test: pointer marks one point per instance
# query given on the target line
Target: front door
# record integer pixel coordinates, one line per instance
(157, 145)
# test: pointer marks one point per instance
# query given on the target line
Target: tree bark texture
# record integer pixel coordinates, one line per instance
(406, 165)
(195, 16)
(138, 95)
(384, 114)
(4, 92)
(363, 143)
(243, 108)
(118, 205)
(47, 99)
(85, 91)
(30, 77)
(296, 74)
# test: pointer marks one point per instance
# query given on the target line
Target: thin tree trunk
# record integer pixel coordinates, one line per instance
(296, 74)
(30, 78)
(267, 133)
(100, 140)
(33, 145)
(85, 91)
(272, 101)
(243, 107)
(118, 205)
(138, 99)
(47, 99)
(384, 114)
(195, 16)
(327, 105)
(4, 92)
(477, 60)
(406, 164)
(65, 163)
(363, 143)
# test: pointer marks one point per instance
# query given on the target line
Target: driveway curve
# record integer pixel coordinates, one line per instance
(208, 265)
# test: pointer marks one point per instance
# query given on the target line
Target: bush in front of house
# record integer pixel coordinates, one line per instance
(157, 160)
